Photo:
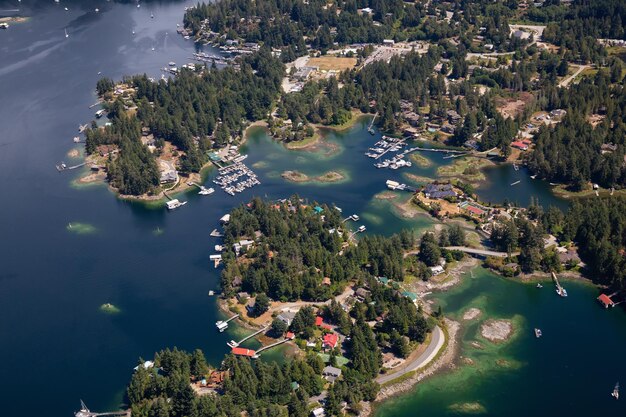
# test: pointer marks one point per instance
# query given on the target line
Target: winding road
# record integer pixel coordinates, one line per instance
(435, 345)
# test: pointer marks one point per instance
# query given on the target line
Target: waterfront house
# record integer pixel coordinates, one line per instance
(570, 257)
(436, 270)
(243, 296)
(439, 191)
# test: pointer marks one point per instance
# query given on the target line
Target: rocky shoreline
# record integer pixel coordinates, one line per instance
(444, 362)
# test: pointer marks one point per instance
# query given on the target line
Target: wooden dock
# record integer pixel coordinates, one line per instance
(248, 337)
(63, 167)
(280, 342)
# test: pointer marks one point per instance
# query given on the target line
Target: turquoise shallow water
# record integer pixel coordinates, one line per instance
(570, 371)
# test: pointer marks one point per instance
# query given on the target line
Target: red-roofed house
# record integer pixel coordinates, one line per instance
(318, 321)
(606, 301)
(330, 340)
(243, 352)
(520, 145)
(290, 336)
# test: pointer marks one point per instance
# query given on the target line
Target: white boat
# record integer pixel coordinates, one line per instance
(100, 113)
(172, 64)
(615, 393)
(66, 34)
(76, 139)
(539, 285)
(361, 228)
(225, 218)
(4, 25)
(538, 333)
(206, 191)
(355, 217)
(173, 204)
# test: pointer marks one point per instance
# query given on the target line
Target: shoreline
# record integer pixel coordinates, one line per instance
(443, 361)
(311, 142)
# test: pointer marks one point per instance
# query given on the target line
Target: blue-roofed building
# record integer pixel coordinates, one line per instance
(383, 280)
(318, 209)
(439, 191)
(410, 295)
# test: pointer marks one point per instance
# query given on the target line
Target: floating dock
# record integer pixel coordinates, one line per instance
(223, 324)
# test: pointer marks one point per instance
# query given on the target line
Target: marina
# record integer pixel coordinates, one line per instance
(236, 178)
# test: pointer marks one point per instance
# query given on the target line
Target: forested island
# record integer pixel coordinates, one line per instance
(286, 251)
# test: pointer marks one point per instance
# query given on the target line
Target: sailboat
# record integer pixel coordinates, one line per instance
(66, 34)
(615, 392)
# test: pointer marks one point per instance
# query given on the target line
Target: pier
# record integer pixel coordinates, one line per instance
(370, 128)
(223, 324)
(353, 217)
(216, 233)
(280, 342)
(85, 412)
(234, 344)
(63, 167)
(559, 288)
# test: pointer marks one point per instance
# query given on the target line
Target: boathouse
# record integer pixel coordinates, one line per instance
(606, 301)
(243, 352)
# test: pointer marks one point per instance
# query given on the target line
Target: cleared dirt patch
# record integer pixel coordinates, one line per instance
(512, 106)
(332, 63)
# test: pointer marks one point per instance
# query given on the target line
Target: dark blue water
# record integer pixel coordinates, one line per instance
(57, 344)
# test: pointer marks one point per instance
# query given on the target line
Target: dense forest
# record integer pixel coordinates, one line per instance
(196, 113)
(577, 26)
(284, 24)
(133, 170)
(597, 226)
(574, 151)
(262, 389)
(297, 250)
